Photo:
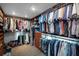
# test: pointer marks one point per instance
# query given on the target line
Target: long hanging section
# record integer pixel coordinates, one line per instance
(53, 45)
(62, 36)
(61, 20)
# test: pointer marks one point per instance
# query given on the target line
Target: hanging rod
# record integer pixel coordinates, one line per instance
(65, 40)
(52, 34)
(71, 39)
(52, 37)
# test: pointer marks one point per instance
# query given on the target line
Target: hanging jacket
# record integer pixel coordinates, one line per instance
(77, 29)
(61, 12)
(70, 10)
(74, 10)
(65, 13)
(61, 24)
(11, 24)
(69, 28)
(56, 27)
(50, 17)
(65, 28)
(74, 26)
(51, 28)
(55, 15)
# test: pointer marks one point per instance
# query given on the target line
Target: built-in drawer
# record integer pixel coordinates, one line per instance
(1, 52)
(1, 34)
(1, 38)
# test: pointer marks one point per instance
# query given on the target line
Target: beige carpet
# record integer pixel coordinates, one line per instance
(26, 50)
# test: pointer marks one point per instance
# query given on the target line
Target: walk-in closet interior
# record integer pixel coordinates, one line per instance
(45, 29)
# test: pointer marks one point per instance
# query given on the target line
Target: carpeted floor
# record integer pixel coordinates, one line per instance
(26, 50)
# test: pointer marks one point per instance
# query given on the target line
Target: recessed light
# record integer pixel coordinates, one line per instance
(13, 13)
(33, 8)
(25, 15)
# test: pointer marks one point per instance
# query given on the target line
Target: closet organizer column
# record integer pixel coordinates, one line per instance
(37, 39)
(1, 34)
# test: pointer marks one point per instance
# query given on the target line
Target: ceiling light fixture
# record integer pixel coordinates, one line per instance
(25, 15)
(13, 13)
(33, 8)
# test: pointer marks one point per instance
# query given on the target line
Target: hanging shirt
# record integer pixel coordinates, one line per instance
(77, 7)
(51, 26)
(40, 26)
(57, 28)
(46, 27)
(65, 13)
(49, 50)
(27, 38)
(69, 11)
(11, 24)
(6, 24)
(73, 27)
(67, 50)
(61, 12)
(56, 14)
(77, 29)
(44, 18)
(62, 48)
(14, 24)
(52, 43)
(17, 34)
(74, 9)
(44, 21)
(19, 24)
(56, 47)
(73, 49)
(65, 28)
(69, 28)
(61, 24)
(25, 24)
(50, 17)
(41, 19)
(43, 28)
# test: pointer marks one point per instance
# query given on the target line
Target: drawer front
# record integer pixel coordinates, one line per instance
(1, 45)
(1, 52)
(1, 38)
(1, 41)
(1, 34)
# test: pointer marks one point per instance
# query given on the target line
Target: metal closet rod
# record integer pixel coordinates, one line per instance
(71, 39)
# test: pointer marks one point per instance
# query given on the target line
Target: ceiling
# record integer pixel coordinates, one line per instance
(28, 10)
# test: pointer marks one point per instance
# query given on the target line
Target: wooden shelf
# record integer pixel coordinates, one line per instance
(1, 34)
(37, 39)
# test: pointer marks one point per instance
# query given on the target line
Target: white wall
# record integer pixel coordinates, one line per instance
(9, 37)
